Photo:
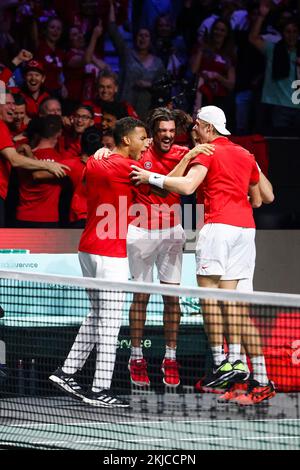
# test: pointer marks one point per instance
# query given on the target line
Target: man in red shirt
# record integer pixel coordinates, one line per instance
(10, 158)
(20, 118)
(39, 201)
(90, 143)
(82, 118)
(107, 92)
(225, 245)
(102, 254)
(33, 92)
(158, 240)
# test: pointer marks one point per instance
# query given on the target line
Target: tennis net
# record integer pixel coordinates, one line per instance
(42, 317)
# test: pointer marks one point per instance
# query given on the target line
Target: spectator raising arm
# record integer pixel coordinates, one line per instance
(254, 36)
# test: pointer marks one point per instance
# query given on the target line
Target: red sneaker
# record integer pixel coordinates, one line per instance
(138, 372)
(256, 393)
(170, 369)
(234, 391)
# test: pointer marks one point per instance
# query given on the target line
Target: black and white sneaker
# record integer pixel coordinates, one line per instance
(220, 375)
(67, 383)
(105, 399)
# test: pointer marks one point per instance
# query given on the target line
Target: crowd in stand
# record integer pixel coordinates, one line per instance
(69, 70)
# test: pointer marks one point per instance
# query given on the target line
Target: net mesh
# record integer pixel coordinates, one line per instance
(50, 322)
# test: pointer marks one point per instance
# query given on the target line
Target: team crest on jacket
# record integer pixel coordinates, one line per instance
(148, 165)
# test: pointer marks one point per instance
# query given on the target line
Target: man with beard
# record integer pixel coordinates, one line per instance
(158, 240)
(33, 92)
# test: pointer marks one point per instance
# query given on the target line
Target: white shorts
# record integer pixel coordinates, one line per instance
(246, 285)
(163, 248)
(104, 267)
(226, 251)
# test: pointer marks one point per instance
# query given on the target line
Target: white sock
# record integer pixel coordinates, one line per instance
(260, 370)
(234, 353)
(136, 353)
(97, 389)
(69, 370)
(218, 354)
(170, 353)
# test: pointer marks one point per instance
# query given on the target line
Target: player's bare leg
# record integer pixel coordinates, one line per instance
(137, 319)
(171, 319)
(214, 328)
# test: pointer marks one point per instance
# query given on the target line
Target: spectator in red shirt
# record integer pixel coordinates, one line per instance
(111, 112)
(7, 72)
(34, 92)
(9, 157)
(39, 203)
(52, 57)
(90, 143)
(107, 90)
(213, 62)
(50, 106)
(82, 118)
(108, 140)
(21, 119)
(79, 59)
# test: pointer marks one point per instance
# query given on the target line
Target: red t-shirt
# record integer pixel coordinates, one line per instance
(72, 144)
(38, 202)
(5, 142)
(78, 209)
(109, 196)
(159, 215)
(231, 169)
(32, 105)
(74, 77)
(53, 61)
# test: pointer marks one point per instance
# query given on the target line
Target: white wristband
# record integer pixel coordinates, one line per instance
(157, 180)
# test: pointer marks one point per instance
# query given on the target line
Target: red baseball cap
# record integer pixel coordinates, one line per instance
(35, 65)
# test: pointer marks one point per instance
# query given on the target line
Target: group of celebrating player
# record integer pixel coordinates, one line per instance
(151, 178)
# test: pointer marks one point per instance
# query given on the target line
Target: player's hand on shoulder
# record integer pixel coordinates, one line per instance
(57, 169)
(206, 149)
(102, 153)
(139, 175)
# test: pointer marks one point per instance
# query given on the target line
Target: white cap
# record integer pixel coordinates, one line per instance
(215, 116)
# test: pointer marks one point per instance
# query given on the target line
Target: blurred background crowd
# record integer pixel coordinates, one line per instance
(69, 69)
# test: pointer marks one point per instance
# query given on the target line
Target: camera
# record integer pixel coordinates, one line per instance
(169, 90)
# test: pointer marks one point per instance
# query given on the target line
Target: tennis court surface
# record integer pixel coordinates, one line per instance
(42, 317)
(154, 422)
